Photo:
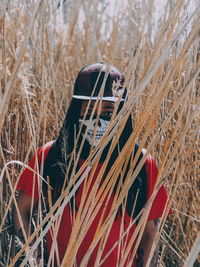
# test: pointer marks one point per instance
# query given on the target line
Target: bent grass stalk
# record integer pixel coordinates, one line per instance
(162, 81)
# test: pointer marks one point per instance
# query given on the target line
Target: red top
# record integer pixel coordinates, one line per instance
(26, 184)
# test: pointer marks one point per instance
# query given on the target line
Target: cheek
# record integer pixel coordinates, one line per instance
(104, 125)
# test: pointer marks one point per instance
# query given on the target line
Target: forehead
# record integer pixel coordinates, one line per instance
(104, 104)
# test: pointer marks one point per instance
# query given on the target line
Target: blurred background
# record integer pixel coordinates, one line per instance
(43, 45)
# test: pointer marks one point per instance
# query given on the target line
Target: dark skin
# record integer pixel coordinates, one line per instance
(104, 108)
(144, 249)
(26, 204)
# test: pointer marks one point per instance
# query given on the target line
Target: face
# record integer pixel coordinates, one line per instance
(104, 109)
(100, 120)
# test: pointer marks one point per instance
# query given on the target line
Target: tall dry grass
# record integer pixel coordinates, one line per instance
(44, 44)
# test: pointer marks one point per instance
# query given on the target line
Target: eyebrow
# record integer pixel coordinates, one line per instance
(91, 107)
(106, 107)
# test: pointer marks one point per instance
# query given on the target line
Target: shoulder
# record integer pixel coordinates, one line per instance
(47, 146)
(150, 162)
(43, 150)
(150, 166)
(151, 173)
(41, 154)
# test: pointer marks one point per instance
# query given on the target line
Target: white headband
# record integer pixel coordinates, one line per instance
(107, 98)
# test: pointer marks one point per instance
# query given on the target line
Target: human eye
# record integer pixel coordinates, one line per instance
(87, 116)
(106, 115)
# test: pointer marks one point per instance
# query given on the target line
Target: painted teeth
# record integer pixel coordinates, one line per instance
(99, 134)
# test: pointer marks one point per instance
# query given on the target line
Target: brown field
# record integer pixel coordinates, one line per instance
(43, 45)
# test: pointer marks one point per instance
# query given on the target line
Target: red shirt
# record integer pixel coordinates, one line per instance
(27, 183)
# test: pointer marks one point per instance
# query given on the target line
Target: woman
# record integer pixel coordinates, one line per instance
(98, 89)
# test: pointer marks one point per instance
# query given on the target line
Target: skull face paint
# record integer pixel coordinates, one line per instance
(101, 126)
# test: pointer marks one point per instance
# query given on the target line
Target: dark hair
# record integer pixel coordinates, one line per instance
(58, 158)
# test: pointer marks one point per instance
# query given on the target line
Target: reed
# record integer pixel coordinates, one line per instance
(43, 45)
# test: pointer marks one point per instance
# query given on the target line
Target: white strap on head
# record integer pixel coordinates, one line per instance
(107, 98)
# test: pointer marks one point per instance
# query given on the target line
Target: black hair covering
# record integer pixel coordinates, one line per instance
(59, 155)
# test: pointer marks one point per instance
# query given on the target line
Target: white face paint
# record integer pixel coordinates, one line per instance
(100, 130)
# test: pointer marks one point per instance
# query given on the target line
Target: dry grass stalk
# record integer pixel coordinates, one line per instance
(162, 80)
(193, 253)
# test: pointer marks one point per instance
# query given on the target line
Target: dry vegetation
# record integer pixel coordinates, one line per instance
(43, 44)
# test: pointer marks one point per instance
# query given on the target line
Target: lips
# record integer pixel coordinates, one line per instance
(99, 134)
(100, 130)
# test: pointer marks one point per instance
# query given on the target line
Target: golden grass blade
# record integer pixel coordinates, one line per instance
(193, 253)
(161, 63)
